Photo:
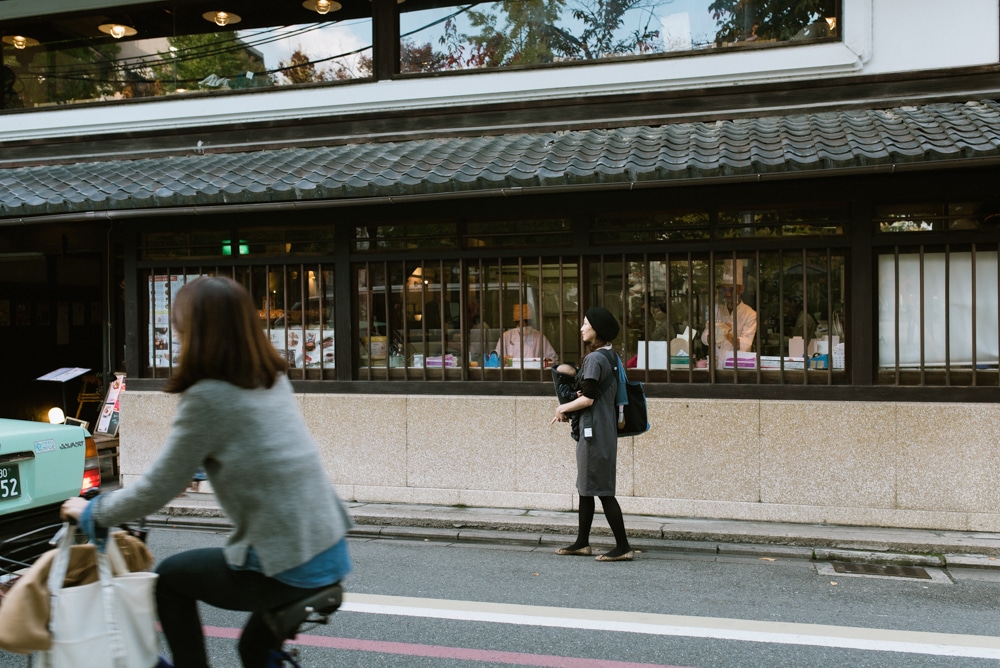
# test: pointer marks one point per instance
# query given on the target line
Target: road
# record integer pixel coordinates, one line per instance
(423, 603)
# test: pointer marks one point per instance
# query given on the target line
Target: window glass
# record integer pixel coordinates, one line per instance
(819, 221)
(689, 314)
(646, 228)
(518, 233)
(295, 305)
(197, 244)
(180, 49)
(252, 241)
(936, 217)
(484, 319)
(539, 32)
(938, 310)
(274, 241)
(405, 236)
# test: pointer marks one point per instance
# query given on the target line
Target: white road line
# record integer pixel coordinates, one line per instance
(819, 635)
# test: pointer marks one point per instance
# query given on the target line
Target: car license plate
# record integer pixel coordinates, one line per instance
(10, 482)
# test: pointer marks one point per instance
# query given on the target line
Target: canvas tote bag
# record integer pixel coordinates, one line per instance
(105, 624)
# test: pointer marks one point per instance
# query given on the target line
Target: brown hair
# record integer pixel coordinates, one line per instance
(221, 337)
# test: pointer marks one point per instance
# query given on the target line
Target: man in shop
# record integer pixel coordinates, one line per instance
(735, 322)
(524, 341)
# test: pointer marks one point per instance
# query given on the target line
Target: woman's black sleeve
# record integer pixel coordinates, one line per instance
(590, 388)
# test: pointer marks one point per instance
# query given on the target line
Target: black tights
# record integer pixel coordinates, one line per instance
(613, 513)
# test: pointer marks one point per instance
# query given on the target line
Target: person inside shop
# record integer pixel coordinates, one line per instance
(238, 418)
(797, 321)
(732, 332)
(660, 327)
(523, 341)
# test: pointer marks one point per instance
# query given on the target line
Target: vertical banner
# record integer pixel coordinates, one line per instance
(107, 422)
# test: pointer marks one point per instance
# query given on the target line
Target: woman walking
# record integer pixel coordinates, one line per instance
(597, 447)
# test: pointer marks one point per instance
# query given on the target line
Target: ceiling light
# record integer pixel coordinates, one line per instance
(117, 30)
(322, 6)
(221, 18)
(19, 41)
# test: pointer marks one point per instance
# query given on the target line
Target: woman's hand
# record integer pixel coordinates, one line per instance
(72, 509)
(560, 415)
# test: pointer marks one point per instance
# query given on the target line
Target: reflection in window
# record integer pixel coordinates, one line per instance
(71, 61)
(538, 32)
(937, 217)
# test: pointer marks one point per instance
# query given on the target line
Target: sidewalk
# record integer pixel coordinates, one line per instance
(725, 537)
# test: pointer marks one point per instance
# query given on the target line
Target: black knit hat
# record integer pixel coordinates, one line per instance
(603, 322)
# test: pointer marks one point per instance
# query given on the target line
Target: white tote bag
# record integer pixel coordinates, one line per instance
(110, 623)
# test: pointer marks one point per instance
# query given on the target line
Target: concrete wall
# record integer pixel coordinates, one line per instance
(893, 465)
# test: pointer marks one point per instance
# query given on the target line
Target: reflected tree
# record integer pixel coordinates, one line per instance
(773, 20)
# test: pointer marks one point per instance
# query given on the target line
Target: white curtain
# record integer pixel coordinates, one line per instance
(931, 296)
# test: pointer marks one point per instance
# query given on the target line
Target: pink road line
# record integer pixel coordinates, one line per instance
(442, 652)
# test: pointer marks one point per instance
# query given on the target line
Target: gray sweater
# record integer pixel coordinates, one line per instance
(264, 467)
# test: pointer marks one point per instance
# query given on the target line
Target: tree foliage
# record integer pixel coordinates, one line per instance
(192, 58)
(299, 69)
(779, 20)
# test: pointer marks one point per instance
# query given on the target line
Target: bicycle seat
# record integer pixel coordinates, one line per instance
(284, 621)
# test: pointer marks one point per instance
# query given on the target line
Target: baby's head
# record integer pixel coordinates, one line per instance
(567, 369)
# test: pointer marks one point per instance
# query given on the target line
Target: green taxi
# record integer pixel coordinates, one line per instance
(41, 465)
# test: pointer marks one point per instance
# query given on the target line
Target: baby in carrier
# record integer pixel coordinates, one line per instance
(564, 379)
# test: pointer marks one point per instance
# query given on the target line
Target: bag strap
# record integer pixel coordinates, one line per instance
(621, 396)
(60, 564)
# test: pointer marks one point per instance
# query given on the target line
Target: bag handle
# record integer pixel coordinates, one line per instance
(60, 564)
(106, 565)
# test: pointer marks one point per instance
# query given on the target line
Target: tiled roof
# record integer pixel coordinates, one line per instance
(732, 148)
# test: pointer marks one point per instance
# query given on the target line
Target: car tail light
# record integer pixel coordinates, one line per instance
(91, 467)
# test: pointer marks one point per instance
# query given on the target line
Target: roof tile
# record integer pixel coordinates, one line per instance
(794, 143)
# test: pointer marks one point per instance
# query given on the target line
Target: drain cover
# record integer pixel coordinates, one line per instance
(881, 569)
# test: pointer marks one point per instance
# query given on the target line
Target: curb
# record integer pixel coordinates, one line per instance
(549, 529)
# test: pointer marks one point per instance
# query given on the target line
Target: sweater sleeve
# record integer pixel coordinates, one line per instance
(168, 476)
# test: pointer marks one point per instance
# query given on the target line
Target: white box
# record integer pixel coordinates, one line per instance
(657, 355)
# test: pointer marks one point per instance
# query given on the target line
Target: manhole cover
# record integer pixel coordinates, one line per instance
(881, 569)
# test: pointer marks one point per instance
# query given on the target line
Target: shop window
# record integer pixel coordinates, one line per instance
(724, 317)
(436, 38)
(476, 320)
(937, 295)
(149, 51)
(295, 305)
(937, 316)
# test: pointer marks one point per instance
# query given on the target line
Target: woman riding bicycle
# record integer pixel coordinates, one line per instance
(237, 417)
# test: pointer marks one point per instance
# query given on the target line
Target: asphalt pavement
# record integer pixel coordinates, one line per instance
(826, 542)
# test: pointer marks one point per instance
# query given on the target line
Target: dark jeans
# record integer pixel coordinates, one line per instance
(204, 575)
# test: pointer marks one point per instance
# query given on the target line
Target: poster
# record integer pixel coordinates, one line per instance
(107, 421)
(309, 349)
(163, 345)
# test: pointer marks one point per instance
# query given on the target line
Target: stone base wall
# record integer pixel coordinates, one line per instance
(923, 465)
